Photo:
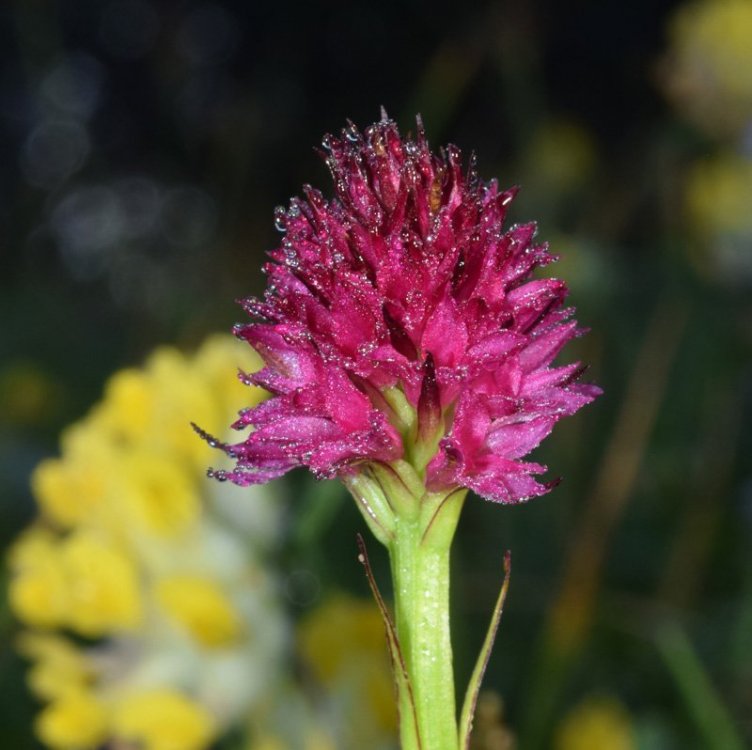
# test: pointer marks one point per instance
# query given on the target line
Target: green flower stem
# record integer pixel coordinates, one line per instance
(417, 527)
(419, 554)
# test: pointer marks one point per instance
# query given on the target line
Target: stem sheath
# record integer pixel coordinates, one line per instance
(419, 555)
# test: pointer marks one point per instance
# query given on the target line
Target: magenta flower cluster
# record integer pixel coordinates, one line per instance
(406, 283)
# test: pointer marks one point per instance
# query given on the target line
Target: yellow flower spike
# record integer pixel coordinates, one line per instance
(76, 721)
(68, 491)
(103, 586)
(163, 720)
(37, 592)
(131, 546)
(594, 724)
(58, 667)
(202, 608)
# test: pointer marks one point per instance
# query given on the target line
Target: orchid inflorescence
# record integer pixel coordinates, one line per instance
(399, 324)
(409, 354)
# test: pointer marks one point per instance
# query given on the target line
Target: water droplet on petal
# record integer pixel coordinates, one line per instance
(280, 219)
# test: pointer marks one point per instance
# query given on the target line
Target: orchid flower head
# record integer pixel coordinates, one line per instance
(400, 322)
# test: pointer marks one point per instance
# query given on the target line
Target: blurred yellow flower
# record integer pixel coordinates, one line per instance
(559, 156)
(36, 543)
(181, 391)
(156, 496)
(719, 193)
(68, 491)
(37, 592)
(78, 582)
(28, 395)
(489, 728)
(58, 667)
(211, 362)
(75, 721)
(151, 408)
(596, 724)
(718, 199)
(708, 70)
(162, 720)
(128, 406)
(343, 642)
(102, 585)
(347, 700)
(135, 546)
(201, 607)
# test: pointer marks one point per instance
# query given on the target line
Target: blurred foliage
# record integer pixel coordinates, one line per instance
(144, 147)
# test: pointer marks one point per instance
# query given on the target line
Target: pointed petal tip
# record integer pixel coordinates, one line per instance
(207, 436)
(555, 482)
(420, 128)
(576, 374)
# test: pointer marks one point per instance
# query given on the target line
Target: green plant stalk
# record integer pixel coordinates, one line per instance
(417, 528)
(419, 555)
(714, 723)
